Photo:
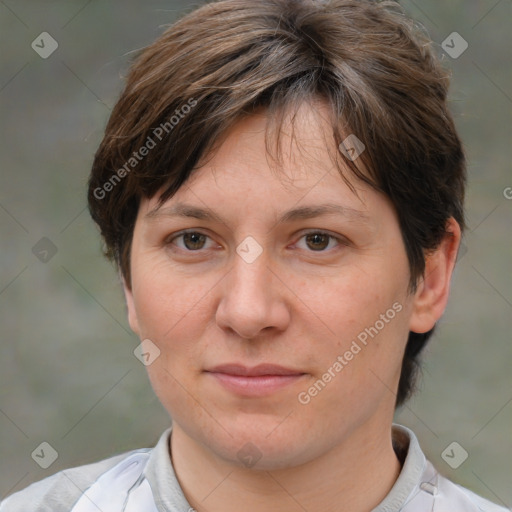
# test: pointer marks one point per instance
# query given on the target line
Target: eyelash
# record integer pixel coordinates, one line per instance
(340, 241)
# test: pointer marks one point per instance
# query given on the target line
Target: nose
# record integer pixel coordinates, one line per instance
(253, 299)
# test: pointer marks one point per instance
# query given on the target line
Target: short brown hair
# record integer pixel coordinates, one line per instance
(375, 69)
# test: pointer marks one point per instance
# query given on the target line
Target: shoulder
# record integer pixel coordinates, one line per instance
(420, 486)
(59, 492)
(457, 497)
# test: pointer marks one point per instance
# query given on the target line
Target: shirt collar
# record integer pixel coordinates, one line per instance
(168, 494)
(164, 483)
(413, 468)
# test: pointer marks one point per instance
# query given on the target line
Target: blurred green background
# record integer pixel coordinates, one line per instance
(67, 371)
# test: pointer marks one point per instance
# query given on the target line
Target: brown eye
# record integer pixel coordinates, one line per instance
(318, 241)
(189, 241)
(193, 241)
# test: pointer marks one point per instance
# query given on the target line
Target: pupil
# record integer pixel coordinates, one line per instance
(193, 240)
(318, 238)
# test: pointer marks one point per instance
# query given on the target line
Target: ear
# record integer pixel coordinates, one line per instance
(130, 304)
(433, 288)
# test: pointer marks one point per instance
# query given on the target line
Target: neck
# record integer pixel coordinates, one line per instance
(358, 473)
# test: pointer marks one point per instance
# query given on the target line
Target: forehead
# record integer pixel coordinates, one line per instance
(301, 165)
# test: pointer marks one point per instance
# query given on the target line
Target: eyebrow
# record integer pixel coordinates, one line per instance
(184, 210)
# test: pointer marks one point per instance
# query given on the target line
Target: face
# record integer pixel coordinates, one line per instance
(278, 299)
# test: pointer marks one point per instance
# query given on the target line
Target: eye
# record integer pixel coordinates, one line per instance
(191, 241)
(319, 241)
(195, 241)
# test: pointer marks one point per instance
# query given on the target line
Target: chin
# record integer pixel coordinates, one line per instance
(265, 446)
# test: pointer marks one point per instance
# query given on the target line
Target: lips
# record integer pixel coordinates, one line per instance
(256, 371)
(261, 380)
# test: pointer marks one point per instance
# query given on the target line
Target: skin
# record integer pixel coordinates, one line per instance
(299, 304)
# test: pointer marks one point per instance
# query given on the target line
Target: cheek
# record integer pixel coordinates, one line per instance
(364, 318)
(173, 313)
(166, 302)
(358, 375)
(347, 304)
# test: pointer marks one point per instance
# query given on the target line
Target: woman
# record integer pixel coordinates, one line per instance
(281, 186)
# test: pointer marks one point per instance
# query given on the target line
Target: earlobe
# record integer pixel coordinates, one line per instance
(130, 305)
(433, 289)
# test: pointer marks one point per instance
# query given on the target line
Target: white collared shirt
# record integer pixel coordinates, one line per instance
(145, 481)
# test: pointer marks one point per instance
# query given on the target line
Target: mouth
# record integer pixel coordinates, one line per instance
(260, 380)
